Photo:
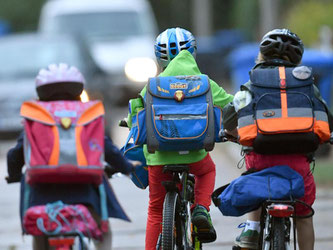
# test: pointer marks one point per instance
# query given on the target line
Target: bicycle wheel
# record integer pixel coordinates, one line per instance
(171, 221)
(278, 234)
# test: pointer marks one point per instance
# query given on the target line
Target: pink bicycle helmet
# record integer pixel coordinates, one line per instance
(59, 81)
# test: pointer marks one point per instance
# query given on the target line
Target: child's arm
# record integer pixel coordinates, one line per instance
(135, 105)
(220, 96)
(115, 158)
(15, 161)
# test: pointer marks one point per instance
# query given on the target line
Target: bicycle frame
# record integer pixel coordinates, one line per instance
(183, 184)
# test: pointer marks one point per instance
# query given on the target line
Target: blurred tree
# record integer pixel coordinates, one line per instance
(244, 16)
(21, 15)
(306, 18)
(175, 13)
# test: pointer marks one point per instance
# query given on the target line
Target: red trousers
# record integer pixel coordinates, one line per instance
(204, 172)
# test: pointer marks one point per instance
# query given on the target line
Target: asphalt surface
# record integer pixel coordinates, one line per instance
(130, 236)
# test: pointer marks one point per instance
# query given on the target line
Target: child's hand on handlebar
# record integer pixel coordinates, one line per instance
(123, 123)
(226, 135)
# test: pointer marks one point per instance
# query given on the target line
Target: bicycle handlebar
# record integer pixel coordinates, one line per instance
(11, 179)
(224, 136)
(123, 123)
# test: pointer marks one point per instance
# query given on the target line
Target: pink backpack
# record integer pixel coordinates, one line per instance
(58, 218)
(64, 141)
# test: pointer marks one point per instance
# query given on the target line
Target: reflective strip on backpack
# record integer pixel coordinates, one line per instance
(245, 121)
(180, 117)
(277, 113)
(321, 116)
(300, 112)
(67, 153)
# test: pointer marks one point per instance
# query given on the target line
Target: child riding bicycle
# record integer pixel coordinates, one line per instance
(175, 51)
(280, 55)
(63, 85)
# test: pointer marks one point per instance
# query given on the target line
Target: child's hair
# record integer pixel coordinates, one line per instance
(59, 82)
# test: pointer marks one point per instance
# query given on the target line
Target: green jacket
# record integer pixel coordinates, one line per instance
(183, 64)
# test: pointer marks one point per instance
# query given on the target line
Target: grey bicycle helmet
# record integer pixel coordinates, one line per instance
(170, 42)
(279, 43)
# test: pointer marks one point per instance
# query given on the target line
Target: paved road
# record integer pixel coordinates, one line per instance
(130, 236)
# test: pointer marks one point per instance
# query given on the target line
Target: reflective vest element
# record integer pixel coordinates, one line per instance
(284, 115)
(64, 141)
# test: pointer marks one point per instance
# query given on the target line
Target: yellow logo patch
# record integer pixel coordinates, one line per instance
(66, 122)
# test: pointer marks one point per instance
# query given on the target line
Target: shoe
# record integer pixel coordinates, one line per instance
(247, 239)
(203, 223)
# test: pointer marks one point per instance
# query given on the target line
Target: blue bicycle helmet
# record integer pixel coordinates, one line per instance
(170, 42)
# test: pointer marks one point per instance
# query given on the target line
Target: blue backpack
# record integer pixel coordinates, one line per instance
(247, 192)
(285, 116)
(179, 114)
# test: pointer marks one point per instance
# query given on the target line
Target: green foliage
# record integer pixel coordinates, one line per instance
(245, 17)
(176, 13)
(323, 172)
(305, 18)
(21, 14)
(172, 13)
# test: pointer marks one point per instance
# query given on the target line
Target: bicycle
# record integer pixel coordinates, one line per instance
(275, 219)
(73, 239)
(177, 229)
(275, 224)
(66, 242)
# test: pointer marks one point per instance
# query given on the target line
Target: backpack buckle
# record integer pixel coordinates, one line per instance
(179, 95)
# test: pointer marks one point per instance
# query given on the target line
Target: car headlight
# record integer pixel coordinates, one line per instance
(140, 69)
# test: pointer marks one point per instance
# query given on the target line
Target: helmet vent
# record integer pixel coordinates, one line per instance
(172, 45)
(173, 51)
(163, 45)
(266, 43)
(182, 43)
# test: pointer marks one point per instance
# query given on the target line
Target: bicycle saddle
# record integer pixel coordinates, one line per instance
(176, 168)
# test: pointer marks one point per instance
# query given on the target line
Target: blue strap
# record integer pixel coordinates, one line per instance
(104, 211)
(26, 196)
(130, 135)
(52, 210)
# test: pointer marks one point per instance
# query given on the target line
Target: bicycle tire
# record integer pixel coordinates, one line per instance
(278, 234)
(171, 204)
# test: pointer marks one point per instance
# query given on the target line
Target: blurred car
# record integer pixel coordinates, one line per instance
(22, 56)
(120, 35)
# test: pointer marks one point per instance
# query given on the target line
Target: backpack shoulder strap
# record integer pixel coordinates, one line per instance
(152, 142)
(209, 139)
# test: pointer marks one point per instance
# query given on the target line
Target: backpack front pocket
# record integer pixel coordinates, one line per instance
(180, 123)
(278, 113)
